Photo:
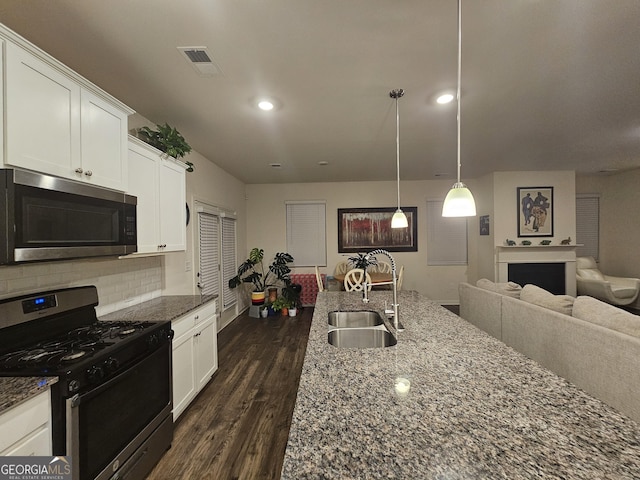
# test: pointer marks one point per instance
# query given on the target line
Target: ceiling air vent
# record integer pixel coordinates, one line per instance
(199, 59)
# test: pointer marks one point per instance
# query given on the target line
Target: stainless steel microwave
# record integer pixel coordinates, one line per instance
(50, 218)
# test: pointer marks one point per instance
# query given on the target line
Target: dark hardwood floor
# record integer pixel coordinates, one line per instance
(237, 427)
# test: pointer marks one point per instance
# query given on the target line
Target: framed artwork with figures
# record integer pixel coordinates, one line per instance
(535, 211)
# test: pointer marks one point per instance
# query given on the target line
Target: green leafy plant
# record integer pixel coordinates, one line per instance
(360, 261)
(252, 271)
(168, 140)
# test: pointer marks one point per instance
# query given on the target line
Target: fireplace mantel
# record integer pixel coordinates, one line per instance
(506, 254)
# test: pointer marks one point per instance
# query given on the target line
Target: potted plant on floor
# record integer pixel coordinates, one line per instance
(252, 271)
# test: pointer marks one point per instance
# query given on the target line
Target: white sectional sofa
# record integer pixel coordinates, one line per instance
(594, 345)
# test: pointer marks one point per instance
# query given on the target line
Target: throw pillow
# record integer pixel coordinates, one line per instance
(593, 310)
(539, 296)
(510, 289)
(486, 284)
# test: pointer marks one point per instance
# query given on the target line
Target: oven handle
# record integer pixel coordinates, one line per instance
(77, 399)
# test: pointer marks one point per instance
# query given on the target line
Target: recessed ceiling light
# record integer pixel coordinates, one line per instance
(275, 165)
(445, 98)
(265, 105)
(323, 163)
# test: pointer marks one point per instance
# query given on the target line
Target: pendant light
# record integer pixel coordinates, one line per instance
(399, 219)
(459, 201)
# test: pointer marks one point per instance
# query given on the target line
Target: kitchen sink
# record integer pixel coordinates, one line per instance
(361, 338)
(355, 319)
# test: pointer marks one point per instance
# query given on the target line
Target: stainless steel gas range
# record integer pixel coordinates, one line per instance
(111, 407)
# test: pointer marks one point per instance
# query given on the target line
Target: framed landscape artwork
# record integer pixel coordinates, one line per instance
(535, 211)
(365, 229)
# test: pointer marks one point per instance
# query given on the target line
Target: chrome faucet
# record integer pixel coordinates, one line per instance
(365, 296)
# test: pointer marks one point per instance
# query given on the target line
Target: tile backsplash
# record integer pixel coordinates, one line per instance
(120, 282)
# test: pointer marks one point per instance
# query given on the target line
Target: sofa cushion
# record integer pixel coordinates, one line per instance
(510, 289)
(541, 297)
(593, 310)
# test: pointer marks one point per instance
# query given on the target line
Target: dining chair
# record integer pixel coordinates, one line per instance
(399, 279)
(341, 268)
(382, 267)
(319, 280)
(354, 278)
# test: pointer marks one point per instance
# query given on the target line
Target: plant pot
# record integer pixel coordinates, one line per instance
(285, 311)
(264, 312)
(257, 298)
(293, 311)
(273, 294)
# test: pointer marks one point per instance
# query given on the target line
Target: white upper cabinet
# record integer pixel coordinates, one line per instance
(159, 184)
(57, 122)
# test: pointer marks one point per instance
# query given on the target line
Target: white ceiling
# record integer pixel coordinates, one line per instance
(546, 84)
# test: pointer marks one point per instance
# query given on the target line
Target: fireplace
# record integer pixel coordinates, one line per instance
(552, 267)
(549, 276)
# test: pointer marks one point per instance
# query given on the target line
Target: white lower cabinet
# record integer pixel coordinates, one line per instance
(26, 428)
(195, 354)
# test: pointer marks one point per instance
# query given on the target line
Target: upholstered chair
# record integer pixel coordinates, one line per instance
(614, 290)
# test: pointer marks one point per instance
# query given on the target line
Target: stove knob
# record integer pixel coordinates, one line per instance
(153, 340)
(111, 364)
(95, 374)
(74, 386)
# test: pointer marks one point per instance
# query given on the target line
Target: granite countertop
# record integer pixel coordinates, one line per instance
(15, 390)
(168, 307)
(476, 408)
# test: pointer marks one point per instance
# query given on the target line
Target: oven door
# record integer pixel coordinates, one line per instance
(123, 422)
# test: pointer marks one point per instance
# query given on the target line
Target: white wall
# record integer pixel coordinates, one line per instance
(266, 225)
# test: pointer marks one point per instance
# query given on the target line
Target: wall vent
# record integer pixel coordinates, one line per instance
(201, 61)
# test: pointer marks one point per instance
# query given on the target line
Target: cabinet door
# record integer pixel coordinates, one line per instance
(42, 115)
(143, 183)
(206, 351)
(25, 427)
(172, 206)
(103, 142)
(184, 388)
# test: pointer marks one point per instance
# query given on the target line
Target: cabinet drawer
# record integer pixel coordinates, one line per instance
(205, 312)
(36, 444)
(22, 420)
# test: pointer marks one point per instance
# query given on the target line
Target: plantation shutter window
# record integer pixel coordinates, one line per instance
(209, 273)
(229, 296)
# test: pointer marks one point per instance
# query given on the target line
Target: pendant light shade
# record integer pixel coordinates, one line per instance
(459, 201)
(399, 219)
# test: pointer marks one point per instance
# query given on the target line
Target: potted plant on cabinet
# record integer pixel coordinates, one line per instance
(166, 139)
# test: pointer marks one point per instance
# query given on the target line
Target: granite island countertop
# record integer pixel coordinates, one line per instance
(475, 409)
(168, 307)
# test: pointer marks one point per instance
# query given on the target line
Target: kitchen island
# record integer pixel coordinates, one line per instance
(472, 407)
